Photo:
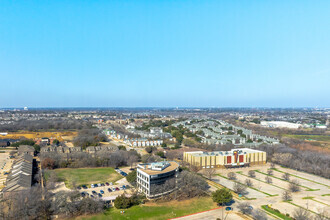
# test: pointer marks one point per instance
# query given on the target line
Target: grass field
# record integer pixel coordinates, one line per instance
(325, 138)
(85, 176)
(159, 211)
(61, 135)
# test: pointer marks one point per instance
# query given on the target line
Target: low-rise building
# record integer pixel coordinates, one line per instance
(20, 176)
(225, 159)
(152, 176)
(25, 149)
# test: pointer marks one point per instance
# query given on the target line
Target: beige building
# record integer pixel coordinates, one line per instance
(225, 159)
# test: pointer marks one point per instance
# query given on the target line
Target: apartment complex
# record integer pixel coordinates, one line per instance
(152, 176)
(225, 159)
(20, 176)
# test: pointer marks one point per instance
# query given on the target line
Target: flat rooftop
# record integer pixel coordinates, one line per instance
(224, 153)
(147, 168)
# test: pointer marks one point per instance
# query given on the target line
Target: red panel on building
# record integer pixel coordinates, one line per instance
(228, 159)
(241, 158)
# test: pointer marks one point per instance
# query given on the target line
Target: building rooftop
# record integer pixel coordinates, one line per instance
(158, 167)
(223, 153)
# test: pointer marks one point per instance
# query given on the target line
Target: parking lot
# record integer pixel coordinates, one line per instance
(107, 190)
(314, 190)
(5, 166)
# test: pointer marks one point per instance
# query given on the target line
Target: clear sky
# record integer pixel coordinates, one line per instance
(164, 53)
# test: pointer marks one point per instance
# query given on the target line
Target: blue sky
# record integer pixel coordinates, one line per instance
(165, 53)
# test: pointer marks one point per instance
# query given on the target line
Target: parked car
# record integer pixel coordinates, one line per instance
(117, 189)
(99, 184)
(94, 192)
(100, 195)
(102, 184)
(101, 191)
(109, 190)
(124, 187)
(121, 188)
(84, 187)
(106, 183)
(229, 208)
(79, 187)
(92, 185)
(110, 183)
(83, 194)
(92, 196)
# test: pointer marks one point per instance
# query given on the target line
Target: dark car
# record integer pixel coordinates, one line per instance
(94, 192)
(102, 184)
(109, 190)
(229, 208)
(100, 195)
(101, 191)
(92, 196)
(83, 194)
(107, 184)
(79, 188)
(95, 185)
(117, 189)
(84, 187)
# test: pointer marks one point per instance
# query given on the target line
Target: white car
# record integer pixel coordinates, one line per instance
(92, 185)
(110, 183)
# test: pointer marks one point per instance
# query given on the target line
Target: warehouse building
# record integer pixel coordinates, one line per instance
(225, 159)
(152, 176)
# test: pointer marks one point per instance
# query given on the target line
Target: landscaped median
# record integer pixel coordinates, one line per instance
(248, 186)
(276, 212)
(301, 177)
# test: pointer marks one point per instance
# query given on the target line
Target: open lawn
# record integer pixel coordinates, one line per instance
(325, 138)
(159, 211)
(87, 176)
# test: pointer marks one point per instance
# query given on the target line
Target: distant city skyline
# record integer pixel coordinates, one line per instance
(164, 54)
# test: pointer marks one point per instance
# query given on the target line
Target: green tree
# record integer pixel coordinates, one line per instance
(122, 202)
(131, 177)
(36, 148)
(164, 145)
(122, 147)
(56, 142)
(222, 196)
(161, 154)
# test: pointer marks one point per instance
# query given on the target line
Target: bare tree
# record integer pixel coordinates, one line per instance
(286, 195)
(209, 173)
(231, 176)
(270, 172)
(259, 215)
(252, 173)
(268, 179)
(294, 185)
(194, 168)
(132, 160)
(301, 214)
(245, 207)
(239, 188)
(322, 215)
(248, 182)
(286, 176)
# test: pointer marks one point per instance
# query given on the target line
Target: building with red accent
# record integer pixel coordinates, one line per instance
(225, 159)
